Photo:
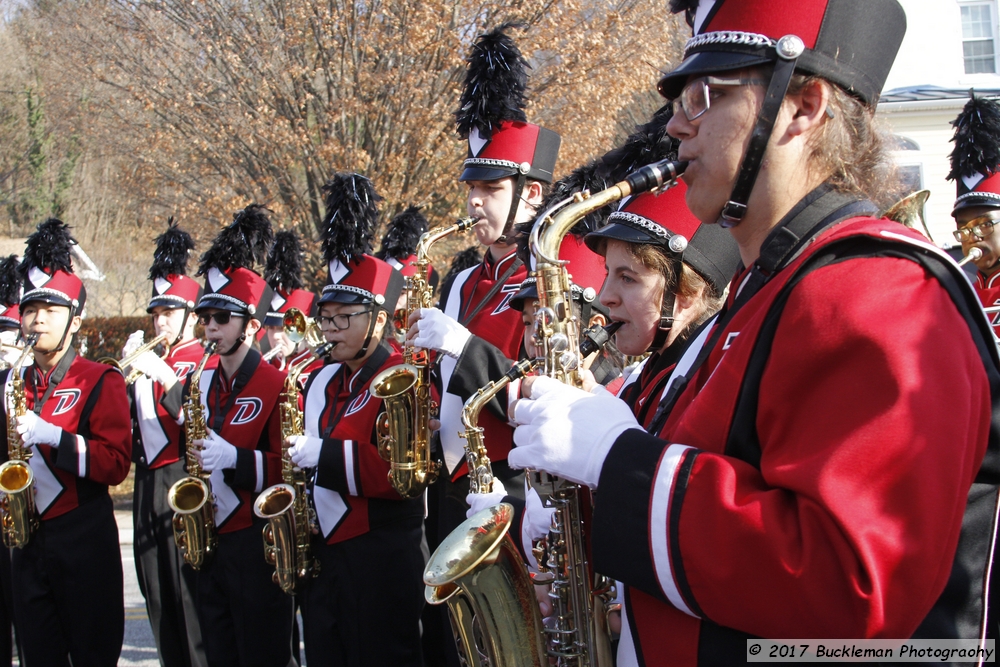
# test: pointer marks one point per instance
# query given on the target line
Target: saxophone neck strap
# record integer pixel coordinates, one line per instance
(58, 373)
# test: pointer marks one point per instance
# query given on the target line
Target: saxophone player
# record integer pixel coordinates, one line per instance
(245, 619)
(156, 398)
(77, 423)
(284, 275)
(859, 502)
(363, 608)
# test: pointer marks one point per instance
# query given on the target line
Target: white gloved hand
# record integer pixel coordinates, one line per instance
(480, 501)
(215, 453)
(437, 331)
(9, 356)
(155, 369)
(34, 430)
(566, 431)
(133, 343)
(305, 451)
(536, 524)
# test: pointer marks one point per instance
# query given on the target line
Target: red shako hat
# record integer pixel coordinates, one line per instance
(10, 293)
(975, 160)
(171, 285)
(284, 274)
(47, 268)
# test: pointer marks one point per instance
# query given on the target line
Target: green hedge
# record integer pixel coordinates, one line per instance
(106, 336)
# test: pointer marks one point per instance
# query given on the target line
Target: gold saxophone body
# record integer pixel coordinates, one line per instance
(286, 506)
(18, 516)
(578, 631)
(404, 427)
(191, 497)
(477, 570)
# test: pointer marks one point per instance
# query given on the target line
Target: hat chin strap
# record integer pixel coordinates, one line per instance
(736, 207)
(666, 323)
(371, 329)
(515, 201)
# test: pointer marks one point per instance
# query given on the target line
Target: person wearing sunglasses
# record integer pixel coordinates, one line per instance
(363, 606)
(975, 164)
(819, 462)
(245, 618)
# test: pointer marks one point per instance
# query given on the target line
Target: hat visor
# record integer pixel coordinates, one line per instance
(706, 62)
(620, 232)
(9, 323)
(44, 296)
(474, 173)
(219, 304)
(274, 320)
(975, 199)
(168, 301)
(339, 296)
(528, 292)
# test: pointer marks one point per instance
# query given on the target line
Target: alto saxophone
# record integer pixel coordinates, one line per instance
(286, 506)
(18, 516)
(478, 572)
(579, 633)
(404, 428)
(191, 497)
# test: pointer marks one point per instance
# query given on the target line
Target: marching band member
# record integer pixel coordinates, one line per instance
(77, 423)
(364, 605)
(245, 619)
(975, 162)
(782, 497)
(284, 275)
(156, 397)
(399, 247)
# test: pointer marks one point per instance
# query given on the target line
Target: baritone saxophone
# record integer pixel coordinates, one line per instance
(286, 506)
(191, 497)
(18, 515)
(404, 427)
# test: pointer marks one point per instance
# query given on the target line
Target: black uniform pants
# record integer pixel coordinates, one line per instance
(68, 591)
(246, 620)
(363, 610)
(165, 580)
(446, 508)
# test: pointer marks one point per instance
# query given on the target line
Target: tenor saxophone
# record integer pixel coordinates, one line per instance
(18, 516)
(286, 506)
(578, 633)
(191, 497)
(404, 427)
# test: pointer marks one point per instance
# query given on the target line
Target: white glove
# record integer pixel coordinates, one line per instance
(215, 453)
(305, 452)
(155, 369)
(480, 501)
(536, 524)
(133, 343)
(34, 430)
(9, 356)
(437, 331)
(566, 431)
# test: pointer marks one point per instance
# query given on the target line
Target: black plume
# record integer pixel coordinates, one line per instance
(463, 260)
(689, 7)
(351, 215)
(284, 264)
(243, 244)
(648, 143)
(400, 240)
(977, 139)
(495, 83)
(171, 255)
(49, 248)
(10, 282)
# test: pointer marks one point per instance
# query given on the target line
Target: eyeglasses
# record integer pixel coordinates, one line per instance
(339, 321)
(696, 98)
(221, 318)
(978, 228)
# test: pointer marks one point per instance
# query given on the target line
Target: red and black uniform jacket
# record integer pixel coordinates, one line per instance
(479, 299)
(88, 401)
(244, 411)
(988, 289)
(156, 436)
(815, 487)
(352, 493)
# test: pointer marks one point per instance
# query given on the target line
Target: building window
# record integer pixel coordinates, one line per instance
(978, 38)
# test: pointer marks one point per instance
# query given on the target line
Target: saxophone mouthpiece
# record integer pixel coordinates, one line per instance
(597, 337)
(975, 253)
(656, 175)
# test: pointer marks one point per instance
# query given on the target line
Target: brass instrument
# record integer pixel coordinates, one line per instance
(578, 633)
(975, 253)
(123, 364)
(404, 427)
(18, 516)
(909, 211)
(4, 347)
(286, 506)
(191, 497)
(297, 327)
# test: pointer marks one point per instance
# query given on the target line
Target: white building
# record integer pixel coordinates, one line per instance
(950, 47)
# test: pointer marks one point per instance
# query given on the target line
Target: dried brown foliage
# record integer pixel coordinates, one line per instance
(195, 108)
